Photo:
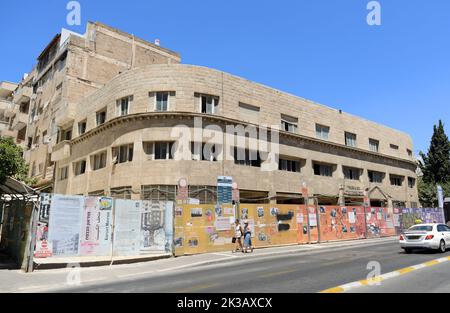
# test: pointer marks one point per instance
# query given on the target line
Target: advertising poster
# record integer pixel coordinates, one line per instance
(128, 227)
(222, 223)
(43, 247)
(352, 217)
(97, 226)
(153, 236)
(65, 224)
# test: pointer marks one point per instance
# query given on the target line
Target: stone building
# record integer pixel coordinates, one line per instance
(105, 105)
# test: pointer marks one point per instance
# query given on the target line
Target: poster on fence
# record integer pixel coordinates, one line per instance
(153, 235)
(128, 227)
(96, 226)
(65, 224)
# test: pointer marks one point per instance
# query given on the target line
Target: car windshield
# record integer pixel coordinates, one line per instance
(421, 228)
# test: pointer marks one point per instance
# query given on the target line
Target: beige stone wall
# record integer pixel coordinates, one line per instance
(92, 61)
(187, 80)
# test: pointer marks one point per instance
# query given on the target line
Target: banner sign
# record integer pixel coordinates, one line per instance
(96, 227)
(65, 224)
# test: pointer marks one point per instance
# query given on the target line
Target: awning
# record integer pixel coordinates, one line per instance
(14, 189)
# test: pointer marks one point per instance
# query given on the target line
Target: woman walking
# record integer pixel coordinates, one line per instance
(237, 239)
(247, 239)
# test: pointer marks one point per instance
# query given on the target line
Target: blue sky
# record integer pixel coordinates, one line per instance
(397, 74)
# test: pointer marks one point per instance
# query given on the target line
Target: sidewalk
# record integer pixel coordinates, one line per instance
(46, 280)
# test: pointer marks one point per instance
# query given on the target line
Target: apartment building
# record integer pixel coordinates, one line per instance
(6, 109)
(105, 104)
(70, 68)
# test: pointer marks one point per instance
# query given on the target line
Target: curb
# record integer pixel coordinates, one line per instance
(378, 279)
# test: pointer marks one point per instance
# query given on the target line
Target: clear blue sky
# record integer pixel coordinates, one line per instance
(397, 74)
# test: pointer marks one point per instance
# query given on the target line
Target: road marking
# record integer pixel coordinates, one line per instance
(379, 279)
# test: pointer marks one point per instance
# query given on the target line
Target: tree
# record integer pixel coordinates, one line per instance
(436, 164)
(428, 192)
(11, 162)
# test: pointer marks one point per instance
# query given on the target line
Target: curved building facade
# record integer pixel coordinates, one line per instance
(122, 136)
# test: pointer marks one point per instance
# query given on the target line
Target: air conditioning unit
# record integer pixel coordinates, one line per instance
(47, 140)
(40, 90)
(36, 118)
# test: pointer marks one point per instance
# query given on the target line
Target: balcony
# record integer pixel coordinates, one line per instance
(3, 126)
(6, 108)
(61, 151)
(65, 114)
(20, 121)
(22, 94)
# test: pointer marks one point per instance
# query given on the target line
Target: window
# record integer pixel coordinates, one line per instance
(63, 173)
(209, 104)
(82, 127)
(289, 124)
(411, 182)
(410, 153)
(202, 152)
(375, 177)
(80, 168)
(159, 150)
(249, 113)
(123, 154)
(101, 117)
(442, 228)
(322, 132)
(394, 147)
(159, 192)
(162, 101)
(99, 161)
(374, 145)
(351, 173)
(289, 165)
(122, 192)
(66, 134)
(123, 106)
(323, 170)
(163, 150)
(396, 180)
(246, 157)
(350, 139)
(205, 194)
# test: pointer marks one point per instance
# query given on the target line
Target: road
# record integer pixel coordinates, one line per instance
(434, 279)
(306, 272)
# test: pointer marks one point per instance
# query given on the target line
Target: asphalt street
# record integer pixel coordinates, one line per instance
(434, 279)
(307, 272)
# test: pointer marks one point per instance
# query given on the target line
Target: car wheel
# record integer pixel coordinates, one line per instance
(408, 251)
(442, 247)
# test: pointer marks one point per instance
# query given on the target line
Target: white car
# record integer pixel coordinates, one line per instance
(426, 236)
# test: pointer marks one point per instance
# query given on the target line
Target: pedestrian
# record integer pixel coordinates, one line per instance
(237, 239)
(247, 239)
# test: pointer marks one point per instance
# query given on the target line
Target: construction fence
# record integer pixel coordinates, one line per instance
(77, 226)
